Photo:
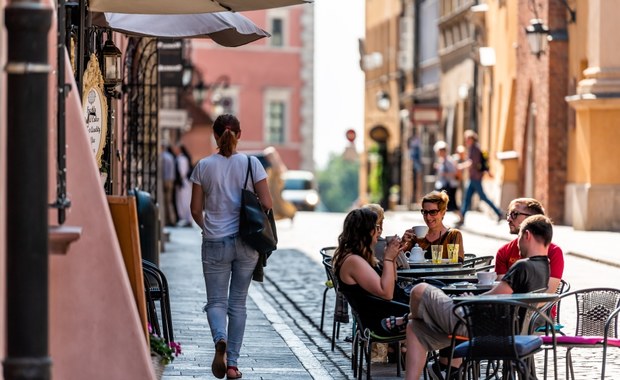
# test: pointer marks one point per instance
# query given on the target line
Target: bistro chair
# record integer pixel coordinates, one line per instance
(595, 324)
(495, 335)
(341, 308)
(477, 261)
(156, 290)
(326, 252)
(364, 335)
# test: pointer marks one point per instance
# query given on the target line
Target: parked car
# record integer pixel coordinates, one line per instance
(300, 189)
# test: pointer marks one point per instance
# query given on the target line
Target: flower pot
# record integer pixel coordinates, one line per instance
(158, 366)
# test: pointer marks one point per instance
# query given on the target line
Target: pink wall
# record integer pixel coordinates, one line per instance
(254, 68)
(95, 330)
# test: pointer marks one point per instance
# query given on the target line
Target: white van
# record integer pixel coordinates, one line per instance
(300, 189)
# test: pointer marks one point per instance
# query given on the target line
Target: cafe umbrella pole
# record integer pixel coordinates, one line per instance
(27, 71)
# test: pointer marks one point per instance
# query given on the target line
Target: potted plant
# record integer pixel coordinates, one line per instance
(162, 352)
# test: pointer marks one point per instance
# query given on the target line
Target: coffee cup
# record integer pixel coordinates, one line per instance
(486, 278)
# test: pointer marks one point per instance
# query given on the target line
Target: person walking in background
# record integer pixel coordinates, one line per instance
(227, 261)
(282, 209)
(183, 186)
(476, 164)
(415, 153)
(460, 157)
(446, 174)
(168, 176)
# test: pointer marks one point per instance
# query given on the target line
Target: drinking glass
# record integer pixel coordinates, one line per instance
(437, 251)
(453, 253)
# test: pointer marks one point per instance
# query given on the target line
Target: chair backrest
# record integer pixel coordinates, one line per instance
(492, 327)
(592, 308)
(563, 287)
(484, 268)
(327, 251)
(476, 261)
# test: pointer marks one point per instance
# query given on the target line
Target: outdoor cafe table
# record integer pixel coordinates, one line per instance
(449, 279)
(462, 287)
(437, 270)
(521, 297)
(429, 264)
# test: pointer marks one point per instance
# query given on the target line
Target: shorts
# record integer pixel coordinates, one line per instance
(435, 322)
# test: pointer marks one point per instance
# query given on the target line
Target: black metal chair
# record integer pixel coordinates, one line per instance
(477, 261)
(341, 307)
(494, 330)
(156, 290)
(364, 336)
(595, 323)
(326, 252)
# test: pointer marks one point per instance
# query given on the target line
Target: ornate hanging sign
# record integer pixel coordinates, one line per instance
(95, 108)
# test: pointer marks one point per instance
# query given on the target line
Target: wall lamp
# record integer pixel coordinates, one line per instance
(537, 36)
(112, 73)
(203, 91)
(383, 100)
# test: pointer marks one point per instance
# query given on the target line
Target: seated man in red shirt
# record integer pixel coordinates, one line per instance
(518, 210)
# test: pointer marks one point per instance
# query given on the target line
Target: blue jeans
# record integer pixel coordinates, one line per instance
(475, 186)
(227, 264)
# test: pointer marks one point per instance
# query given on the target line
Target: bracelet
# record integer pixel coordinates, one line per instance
(388, 260)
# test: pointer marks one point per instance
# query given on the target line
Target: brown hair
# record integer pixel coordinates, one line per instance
(226, 129)
(356, 237)
(439, 198)
(540, 226)
(532, 205)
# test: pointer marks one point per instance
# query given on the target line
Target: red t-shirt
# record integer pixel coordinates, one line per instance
(509, 254)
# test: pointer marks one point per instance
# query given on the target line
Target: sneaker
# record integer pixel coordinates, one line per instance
(435, 371)
(438, 371)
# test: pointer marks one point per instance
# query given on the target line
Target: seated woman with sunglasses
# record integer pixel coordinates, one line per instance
(434, 205)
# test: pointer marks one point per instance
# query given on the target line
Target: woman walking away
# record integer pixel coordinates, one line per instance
(227, 261)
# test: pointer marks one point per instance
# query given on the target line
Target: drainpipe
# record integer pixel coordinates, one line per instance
(27, 70)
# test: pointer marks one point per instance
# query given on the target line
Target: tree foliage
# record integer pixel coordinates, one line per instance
(339, 184)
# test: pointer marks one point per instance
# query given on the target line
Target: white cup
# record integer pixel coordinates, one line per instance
(486, 278)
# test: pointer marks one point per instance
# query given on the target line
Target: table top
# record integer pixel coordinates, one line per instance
(436, 270)
(459, 288)
(428, 264)
(521, 297)
(449, 279)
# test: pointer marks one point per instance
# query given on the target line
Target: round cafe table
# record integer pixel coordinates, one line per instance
(521, 297)
(427, 263)
(463, 287)
(436, 270)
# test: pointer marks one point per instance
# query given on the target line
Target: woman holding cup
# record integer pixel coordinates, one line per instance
(446, 240)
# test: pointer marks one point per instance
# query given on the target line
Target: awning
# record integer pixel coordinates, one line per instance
(225, 28)
(186, 6)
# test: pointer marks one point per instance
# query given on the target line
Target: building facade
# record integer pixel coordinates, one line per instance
(270, 86)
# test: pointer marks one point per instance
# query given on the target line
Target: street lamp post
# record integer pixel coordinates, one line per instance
(27, 71)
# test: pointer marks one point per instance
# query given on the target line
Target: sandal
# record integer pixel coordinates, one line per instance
(237, 375)
(394, 328)
(218, 367)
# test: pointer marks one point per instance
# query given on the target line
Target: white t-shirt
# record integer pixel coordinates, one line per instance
(222, 179)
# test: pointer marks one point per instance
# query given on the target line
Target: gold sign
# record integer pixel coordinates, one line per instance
(95, 108)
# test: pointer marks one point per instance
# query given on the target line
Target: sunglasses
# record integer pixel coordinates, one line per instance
(515, 214)
(429, 212)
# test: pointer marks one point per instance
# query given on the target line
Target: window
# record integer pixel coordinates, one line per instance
(276, 107)
(277, 19)
(275, 126)
(277, 39)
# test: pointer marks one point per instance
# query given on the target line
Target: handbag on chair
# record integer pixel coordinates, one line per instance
(256, 226)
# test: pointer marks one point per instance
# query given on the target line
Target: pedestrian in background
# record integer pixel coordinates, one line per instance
(168, 176)
(446, 175)
(476, 171)
(183, 186)
(282, 209)
(227, 261)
